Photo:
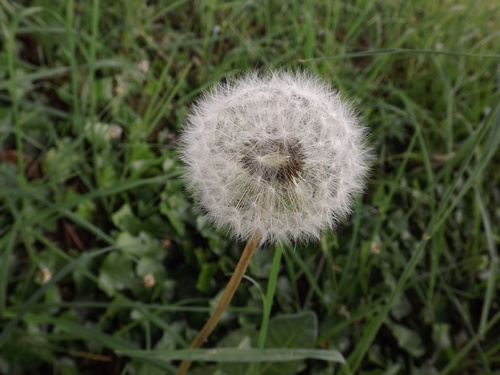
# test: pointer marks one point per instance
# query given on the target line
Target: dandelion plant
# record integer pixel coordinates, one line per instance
(273, 157)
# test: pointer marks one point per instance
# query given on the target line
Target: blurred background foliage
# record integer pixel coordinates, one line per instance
(107, 266)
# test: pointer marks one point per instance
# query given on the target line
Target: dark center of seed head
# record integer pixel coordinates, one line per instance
(275, 161)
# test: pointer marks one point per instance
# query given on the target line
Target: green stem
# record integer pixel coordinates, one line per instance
(268, 303)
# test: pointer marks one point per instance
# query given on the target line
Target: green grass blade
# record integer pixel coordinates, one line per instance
(236, 355)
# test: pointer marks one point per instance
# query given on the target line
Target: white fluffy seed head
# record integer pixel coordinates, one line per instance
(279, 153)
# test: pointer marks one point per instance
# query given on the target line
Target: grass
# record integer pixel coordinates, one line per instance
(107, 267)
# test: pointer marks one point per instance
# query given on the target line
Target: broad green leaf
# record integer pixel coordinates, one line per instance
(441, 335)
(243, 338)
(25, 349)
(175, 207)
(116, 273)
(142, 244)
(407, 339)
(86, 209)
(148, 265)
(401, 307)
(141, 157)
(61, 162)
(125, 219)
(290, 331)
(293, 330)
(66, 366)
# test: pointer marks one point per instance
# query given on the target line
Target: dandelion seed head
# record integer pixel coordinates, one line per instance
(281, 154)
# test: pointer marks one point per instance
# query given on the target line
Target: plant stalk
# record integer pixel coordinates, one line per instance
(226, 297)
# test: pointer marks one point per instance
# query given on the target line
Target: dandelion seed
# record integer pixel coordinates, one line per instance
(281, 154)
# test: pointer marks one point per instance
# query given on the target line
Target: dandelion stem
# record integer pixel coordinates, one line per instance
(226, 297)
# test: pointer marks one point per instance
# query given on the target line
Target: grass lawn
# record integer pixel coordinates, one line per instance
(107, 265)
